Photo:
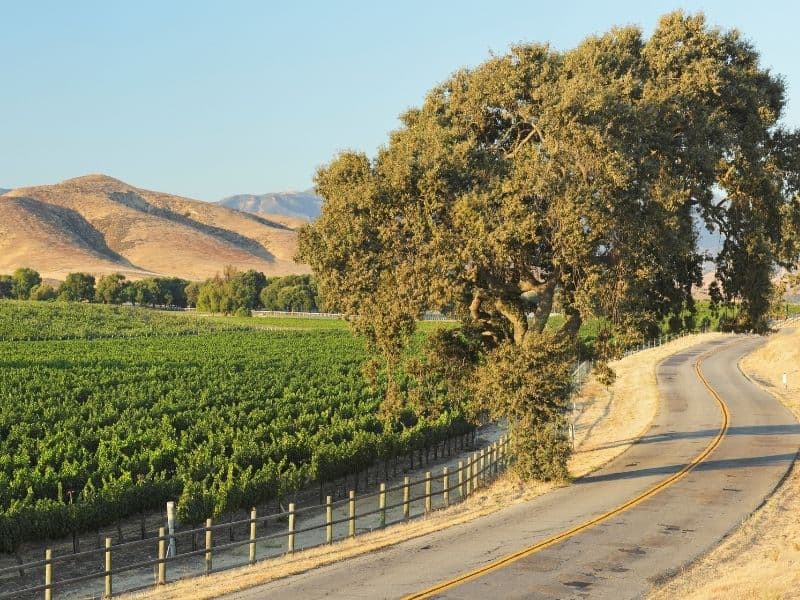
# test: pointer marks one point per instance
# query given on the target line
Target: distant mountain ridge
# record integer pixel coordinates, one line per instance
(3, 191)
(98, 224)
(298, 205)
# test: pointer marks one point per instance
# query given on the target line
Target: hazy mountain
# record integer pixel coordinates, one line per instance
(298, 205)
(3, 191)
(101, 225)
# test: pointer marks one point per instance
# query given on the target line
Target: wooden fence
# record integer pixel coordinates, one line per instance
(287, 531)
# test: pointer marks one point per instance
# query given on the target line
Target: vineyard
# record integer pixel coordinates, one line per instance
(71, 320)
(93, 430)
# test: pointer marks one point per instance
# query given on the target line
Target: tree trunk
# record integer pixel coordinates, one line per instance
(544, 305)
(516, 316)
(572, 324)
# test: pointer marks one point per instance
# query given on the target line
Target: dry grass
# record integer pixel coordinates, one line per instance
(609, 421)
(762, 558)
(99, 225)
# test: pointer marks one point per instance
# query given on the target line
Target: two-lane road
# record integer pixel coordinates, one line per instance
(619, 547)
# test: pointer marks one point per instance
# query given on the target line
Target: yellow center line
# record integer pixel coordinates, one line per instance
(507, 560)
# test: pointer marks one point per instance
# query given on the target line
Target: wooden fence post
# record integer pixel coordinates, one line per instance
(252, 535)
(48, 574)
(328, 520)
(406, 498)
(352, 520)
(427, 491)
(482, 470)
(445, 487)
(162, 554)
(468, 478)
(290, 541)
(108, 588)
(208, 546)
(461, 479)
(382, 504)
(474, 471)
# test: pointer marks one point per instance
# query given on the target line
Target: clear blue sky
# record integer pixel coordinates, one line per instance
(209, 99)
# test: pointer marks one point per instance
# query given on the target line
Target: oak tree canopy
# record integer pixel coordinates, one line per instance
(578, 175)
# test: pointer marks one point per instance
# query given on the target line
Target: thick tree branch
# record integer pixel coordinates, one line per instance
(544, 305)
(516, 316)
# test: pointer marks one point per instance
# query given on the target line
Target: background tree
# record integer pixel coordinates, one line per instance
(192, 292)
(577, 174)
(235, 291)
(110, 289)
(6, 286)
(77, 287)
(172, 291)
(146, 292)
(245, 288)
(43, 292)
(213, 297)
(23, 281)
(292, 292)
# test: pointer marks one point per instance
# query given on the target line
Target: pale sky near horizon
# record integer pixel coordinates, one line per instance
(209, 99)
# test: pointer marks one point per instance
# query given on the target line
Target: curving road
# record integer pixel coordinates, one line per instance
(624, 553)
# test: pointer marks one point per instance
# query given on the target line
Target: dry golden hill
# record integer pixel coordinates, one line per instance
(98, 224)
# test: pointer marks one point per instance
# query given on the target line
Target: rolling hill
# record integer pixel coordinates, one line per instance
(100, 225)
(304, 206)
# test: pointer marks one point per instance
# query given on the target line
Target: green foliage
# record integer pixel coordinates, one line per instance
(234, 291)
(43, 292)
(77, 287)
(111, 289)
(248, 290)
(530, 385)
(6, 287)
(23, 281)
(40, 321)
(192, 291)
(297, 293)
(158, 291)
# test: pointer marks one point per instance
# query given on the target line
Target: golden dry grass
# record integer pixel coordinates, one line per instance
(761, 559)
(609, 421)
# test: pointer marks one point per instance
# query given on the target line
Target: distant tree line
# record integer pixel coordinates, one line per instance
(26, 284)
(239, 292)
(233, 292)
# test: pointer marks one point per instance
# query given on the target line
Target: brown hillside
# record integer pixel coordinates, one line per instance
(100, 225)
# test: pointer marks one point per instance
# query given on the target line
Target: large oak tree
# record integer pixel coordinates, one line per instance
(574, 175)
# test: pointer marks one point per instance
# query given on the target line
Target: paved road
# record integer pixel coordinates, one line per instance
(623, 555)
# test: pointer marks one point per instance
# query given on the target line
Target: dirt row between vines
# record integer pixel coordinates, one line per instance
(607, 421)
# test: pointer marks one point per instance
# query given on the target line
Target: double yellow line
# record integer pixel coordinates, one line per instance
(507, 560)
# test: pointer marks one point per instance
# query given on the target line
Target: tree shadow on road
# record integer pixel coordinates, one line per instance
(757, 430)
(728, 464)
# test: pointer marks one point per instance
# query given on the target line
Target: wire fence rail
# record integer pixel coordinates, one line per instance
(169, 557)
(426, 315)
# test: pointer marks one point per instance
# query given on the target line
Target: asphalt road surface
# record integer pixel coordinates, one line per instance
(624, 554)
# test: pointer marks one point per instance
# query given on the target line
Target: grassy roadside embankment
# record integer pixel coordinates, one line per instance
(608, 421)
(761, 559)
